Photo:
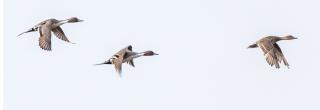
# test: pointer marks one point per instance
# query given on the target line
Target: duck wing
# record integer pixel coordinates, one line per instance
(60, 34)
(45, 37)
(118, 65)
(128, 58)
(280, 55)
(131, 63)
(120, 56)
(129, 53)
(269, 52)
(123, 51)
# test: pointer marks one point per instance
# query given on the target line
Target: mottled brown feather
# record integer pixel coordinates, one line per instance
(269, 52)
(119, 60)
(45, 37)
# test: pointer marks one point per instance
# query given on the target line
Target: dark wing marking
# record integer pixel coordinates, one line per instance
(131, 63)
(129, 47)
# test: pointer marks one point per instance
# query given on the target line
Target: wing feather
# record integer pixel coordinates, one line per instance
(280, 55)
(60, 34)
(131, 63)
(269, 52)
(45, 37)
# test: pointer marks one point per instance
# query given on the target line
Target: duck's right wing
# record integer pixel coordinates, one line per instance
(45, 37)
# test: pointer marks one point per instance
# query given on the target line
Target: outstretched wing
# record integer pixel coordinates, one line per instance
(280, 55)
(131, 63)
(45, 37)
(269, 52)
(123, 51)
(118, 65)
(272, 59)
(120, 57)
(60, 34)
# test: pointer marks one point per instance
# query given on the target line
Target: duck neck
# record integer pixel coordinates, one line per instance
(138, 55)
(285, 38)
(62, 22)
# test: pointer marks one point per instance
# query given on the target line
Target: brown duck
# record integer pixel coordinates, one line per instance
(51, 25)
(271, 49)
(125, 55)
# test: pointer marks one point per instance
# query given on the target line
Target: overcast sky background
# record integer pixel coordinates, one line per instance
(203, 62)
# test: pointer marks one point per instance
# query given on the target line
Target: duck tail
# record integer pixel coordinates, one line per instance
(253, 46)
(30, 30)
(106, 62)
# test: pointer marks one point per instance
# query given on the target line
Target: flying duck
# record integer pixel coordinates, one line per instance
(125, 55)
(51, 25)
(271, 49)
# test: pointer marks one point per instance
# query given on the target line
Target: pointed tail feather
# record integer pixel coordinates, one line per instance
(253, 46)
(99, 64)
(106, 62)
(30, 30)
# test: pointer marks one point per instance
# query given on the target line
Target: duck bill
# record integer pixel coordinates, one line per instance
(81, 20)
(156, 54)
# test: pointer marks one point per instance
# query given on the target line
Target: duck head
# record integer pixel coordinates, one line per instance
(289, 37)
(149, 53)
(74, 20)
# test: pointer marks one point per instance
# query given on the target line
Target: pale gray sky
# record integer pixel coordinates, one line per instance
(203, 62)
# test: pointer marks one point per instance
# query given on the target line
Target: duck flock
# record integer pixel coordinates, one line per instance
(271, 50)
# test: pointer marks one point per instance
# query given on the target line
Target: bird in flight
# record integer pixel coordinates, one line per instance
(125, 55)
(272, 50)
(51, 25)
